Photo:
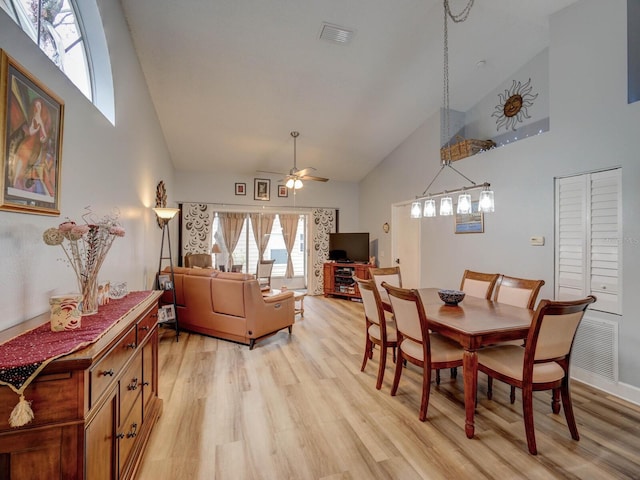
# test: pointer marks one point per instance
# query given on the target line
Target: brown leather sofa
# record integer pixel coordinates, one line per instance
(228, 305)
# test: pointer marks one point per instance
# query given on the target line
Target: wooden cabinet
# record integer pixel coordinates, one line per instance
(338, 279)
(94, 409)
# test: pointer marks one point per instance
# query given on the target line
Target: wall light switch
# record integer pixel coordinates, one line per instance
(536, 241)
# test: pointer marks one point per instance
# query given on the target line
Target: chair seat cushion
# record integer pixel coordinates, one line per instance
(442, 349)
(509, 360)
(392, 335)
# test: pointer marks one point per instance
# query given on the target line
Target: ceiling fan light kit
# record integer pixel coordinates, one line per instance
(294, 179)
(486, 200)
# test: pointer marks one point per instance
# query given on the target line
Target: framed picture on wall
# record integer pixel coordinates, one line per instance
(470, 222)
(283, 191)
(31, 142)
(241, 188)
(261, 189)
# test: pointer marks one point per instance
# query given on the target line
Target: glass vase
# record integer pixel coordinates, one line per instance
(90, 296)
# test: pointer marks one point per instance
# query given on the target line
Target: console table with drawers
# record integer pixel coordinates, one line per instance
(94, 408)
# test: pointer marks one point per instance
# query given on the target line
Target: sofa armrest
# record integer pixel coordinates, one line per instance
(267, 314)
(277, 298)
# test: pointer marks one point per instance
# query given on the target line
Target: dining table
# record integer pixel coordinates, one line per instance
(474, 323)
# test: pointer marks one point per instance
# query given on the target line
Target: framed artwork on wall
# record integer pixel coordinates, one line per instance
(470, 222)
(283, 191)
(261, 189)
(30, 142)
(241, 188)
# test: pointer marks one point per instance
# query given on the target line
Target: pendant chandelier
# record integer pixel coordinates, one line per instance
(425, 204)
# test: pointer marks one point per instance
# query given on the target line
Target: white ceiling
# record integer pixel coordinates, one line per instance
(230, 79)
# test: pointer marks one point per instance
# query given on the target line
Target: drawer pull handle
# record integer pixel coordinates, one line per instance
(145, 384)
(133, 385)
(108, 373)
(132, 433)
(120, 436)
(130, 345)
(144, 328)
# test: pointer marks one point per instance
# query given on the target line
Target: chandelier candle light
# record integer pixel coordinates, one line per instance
(86, 246)
(465, 205)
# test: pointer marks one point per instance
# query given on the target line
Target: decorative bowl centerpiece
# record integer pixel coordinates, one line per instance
(451, 297)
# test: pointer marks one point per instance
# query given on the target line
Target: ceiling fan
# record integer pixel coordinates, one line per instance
(294, 178)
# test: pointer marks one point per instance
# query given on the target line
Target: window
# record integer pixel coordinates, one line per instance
(246, 251)
(55, 27)
(588, 241)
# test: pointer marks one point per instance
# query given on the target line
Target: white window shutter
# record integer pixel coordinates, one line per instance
(605, 244)
(571, 214)
(588, 243)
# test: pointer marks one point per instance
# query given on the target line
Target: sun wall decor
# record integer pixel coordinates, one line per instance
(513, 105)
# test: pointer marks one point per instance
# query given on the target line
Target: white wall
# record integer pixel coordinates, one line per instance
(591, 127)
(102, 166)
(201, 187)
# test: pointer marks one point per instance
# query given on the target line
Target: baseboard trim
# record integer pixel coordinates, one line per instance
(618, 389)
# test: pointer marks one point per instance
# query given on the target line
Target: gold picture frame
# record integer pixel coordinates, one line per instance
(31, 142)
(470, 222)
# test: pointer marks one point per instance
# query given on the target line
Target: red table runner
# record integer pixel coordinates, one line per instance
(22, 358)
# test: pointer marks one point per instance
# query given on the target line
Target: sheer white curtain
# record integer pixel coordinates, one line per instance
(289, 223)
(261, 225)
(231, 226)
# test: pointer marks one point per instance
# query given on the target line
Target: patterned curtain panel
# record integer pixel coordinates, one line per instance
(197, 219)
(323, 222)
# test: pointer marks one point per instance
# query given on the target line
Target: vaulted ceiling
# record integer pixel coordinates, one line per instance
(230, 79)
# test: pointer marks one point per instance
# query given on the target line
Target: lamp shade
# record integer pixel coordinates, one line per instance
(446, 206)
(486, 203)
(416, 210)
(166, 213)
(464, 204)
(429, 208)
(216, 248)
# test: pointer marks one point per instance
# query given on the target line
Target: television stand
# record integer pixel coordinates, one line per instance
(339, 281)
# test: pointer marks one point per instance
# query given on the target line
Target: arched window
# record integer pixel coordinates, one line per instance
(54, 26)
(72, 36)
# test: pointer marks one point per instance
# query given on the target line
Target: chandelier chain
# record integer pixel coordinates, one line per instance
(457, 18)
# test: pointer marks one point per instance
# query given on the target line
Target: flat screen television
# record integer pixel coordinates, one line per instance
(349, 247)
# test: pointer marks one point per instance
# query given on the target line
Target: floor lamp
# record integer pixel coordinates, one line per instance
(164, 217)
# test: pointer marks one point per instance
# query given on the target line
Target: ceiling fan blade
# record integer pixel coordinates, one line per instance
(317, 179)
(304, 171)
(272, 173)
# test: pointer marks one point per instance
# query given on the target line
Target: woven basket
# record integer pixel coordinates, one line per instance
(465, 148)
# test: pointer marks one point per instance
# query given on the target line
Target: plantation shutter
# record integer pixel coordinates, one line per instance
(588, 242)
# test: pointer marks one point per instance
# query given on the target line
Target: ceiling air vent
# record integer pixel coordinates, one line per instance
(335, 34)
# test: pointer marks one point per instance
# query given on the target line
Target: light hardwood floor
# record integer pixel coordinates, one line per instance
(299, 408)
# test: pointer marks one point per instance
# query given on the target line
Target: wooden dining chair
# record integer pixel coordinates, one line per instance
(416, 345)
(477, 284)
(519, 292)
(378, 329)
(543, 363)
(391, 275)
